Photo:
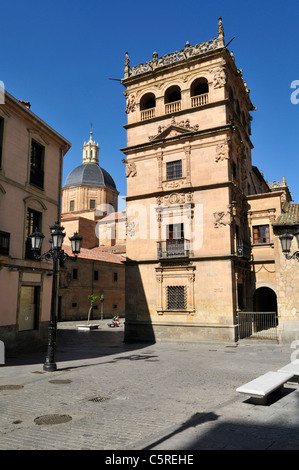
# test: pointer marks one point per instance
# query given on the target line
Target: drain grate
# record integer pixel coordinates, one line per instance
(98, 399)
(52, 419)
(58, 381)
(11, 387)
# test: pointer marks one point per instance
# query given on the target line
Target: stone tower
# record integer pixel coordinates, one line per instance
(188, 168)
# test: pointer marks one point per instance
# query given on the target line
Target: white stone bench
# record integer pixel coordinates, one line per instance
(260, 388)
(292, 368)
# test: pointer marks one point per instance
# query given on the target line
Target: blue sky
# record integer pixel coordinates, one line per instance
(59, 55)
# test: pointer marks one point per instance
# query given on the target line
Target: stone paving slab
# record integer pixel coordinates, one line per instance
(161, 396)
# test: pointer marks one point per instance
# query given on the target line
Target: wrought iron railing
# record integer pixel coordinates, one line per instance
(258, 325)
(173, 248)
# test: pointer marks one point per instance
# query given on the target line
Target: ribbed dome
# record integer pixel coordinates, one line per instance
(89, 174)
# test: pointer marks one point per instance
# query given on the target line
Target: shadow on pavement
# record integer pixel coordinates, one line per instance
(73, 344)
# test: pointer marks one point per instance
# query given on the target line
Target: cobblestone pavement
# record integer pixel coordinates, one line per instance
(110, 395)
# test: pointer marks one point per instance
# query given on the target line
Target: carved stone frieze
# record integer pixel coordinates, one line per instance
(175, 198)
(131, 229)
(173, 185)
(130, 168)
(174, 128)
(223, 151)
(222, 218)
(219, 77)
(131, 104)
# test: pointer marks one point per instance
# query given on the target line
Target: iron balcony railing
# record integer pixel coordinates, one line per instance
(173, 248)
(243, 249)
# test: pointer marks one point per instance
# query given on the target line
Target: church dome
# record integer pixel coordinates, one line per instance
(90, 174)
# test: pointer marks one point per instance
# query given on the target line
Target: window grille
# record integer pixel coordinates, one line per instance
(174, 170)
(176, 298)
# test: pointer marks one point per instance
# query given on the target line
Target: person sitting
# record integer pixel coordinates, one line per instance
(115, 320)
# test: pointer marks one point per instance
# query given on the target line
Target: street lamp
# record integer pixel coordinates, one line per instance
(286, 241)
(57, 254)
(102, 305)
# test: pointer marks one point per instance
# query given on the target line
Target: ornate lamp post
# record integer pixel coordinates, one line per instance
(57, 254)
(286, 241)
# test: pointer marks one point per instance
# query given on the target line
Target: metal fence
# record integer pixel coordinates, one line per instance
(258, 325)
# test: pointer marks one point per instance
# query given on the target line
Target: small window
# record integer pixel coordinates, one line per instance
(1, 138)
(74, 304)
(72, 205)
(176, 298)
(92, 203)
(96, 275)
(115, 277)
(261, 234)
(4, 243)
(174, 170)
(75, 273)
(114, 306)
(37, 164)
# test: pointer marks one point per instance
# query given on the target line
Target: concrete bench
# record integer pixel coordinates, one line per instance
(260, 388)
(292, 368)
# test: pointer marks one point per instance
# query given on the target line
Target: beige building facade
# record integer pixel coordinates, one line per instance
(195, 202)
(89, 207)
(31, 159)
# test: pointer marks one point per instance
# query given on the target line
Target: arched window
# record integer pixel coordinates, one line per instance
(172, 99)
(199, 92)
(147, 106)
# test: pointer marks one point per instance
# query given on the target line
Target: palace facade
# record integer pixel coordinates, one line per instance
(201, 245)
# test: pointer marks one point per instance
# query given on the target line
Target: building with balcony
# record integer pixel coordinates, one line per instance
(199, 214)
(31, 159)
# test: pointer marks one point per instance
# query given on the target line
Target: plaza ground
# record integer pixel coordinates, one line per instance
(110, 395)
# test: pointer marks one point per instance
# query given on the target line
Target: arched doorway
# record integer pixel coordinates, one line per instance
(265, 304)
(265, 300)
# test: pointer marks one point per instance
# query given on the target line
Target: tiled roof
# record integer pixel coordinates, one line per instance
(97, 254)
(289, 214)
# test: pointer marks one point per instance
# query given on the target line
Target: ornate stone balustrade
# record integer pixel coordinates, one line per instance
(173, 107)
(177, 56)
(199, 100)
(147, 114)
